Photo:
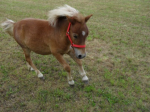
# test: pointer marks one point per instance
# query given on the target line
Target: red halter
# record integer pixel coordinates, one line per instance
(72, 44)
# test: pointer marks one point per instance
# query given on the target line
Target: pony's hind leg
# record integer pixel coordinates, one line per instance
(29, 67)
(81, 69)
(30, 64)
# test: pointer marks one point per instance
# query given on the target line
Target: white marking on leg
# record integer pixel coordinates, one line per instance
(85, 78)
(81, 71)
(83, 33)
(39, 73)
(29, 67)
(71, 82)
(83, 74)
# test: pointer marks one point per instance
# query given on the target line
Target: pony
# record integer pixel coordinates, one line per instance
(64, 32)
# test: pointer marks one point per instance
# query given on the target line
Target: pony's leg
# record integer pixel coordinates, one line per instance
(29, 67)
(81, 69)
(65, 65)
(30, 64)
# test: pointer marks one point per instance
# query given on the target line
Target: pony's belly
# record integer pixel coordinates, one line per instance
(41, 50)
(43, 53)
(37, 45)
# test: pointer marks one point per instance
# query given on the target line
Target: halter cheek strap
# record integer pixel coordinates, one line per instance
(72, 44)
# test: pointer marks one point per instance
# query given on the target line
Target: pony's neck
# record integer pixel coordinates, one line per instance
(62, 26)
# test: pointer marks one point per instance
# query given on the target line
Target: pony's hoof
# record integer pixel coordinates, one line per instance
(86, 82)
(42, 78)
(85, 79)
(72, 86)
(71, 83)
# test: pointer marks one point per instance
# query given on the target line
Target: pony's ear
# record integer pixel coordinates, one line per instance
(71, 19)
(88, 17)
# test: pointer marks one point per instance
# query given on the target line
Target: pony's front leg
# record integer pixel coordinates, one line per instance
(81, 69)
(82, 73)
(60, 58)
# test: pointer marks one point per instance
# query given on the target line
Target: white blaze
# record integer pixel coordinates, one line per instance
(83, 33)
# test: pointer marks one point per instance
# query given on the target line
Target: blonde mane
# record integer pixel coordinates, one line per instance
(65, 10)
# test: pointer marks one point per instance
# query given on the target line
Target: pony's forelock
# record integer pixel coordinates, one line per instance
(65, 10)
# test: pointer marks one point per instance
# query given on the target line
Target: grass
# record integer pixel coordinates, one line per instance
(117, 64)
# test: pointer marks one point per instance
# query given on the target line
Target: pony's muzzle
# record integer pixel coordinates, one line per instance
(80, 53)
(80, 56)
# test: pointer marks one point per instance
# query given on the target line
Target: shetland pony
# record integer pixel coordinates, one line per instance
(64, 32)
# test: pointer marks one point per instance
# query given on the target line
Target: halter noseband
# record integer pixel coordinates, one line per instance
(72, 44)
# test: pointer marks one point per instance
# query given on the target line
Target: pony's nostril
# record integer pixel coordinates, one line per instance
(79, 56)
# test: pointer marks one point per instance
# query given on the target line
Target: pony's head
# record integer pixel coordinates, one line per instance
(78, 30)
(78, 33)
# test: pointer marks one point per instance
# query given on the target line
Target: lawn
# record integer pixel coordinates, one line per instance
(117, 62)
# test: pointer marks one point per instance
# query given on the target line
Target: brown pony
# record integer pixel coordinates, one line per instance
(49, 37)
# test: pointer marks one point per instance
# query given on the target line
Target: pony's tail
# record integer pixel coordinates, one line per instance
(8, 26)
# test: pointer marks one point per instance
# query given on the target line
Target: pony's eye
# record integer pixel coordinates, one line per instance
(75, 36)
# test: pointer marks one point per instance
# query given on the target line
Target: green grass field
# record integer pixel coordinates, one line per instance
(117, 63)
